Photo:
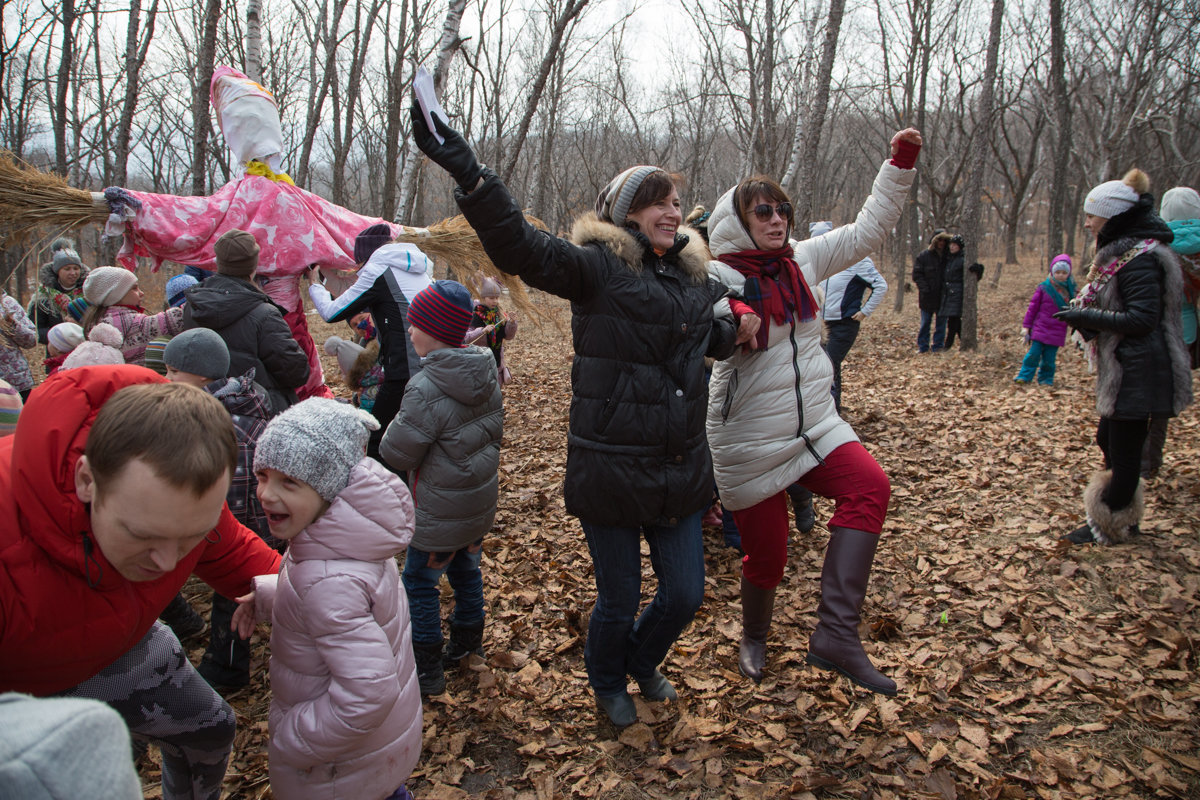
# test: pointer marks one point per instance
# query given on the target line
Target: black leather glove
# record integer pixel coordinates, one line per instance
(976, 269)
(454, 155)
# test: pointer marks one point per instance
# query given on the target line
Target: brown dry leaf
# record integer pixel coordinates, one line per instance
(1052, 669)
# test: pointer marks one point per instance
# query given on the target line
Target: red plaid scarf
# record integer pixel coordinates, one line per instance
(775, 289)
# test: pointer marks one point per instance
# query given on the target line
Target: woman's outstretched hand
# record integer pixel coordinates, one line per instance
(453, 155)
(909, 136)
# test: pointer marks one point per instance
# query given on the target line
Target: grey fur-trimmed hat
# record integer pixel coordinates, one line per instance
(613, 203)
(317, 441)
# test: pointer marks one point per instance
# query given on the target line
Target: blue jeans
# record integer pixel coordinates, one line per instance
(617, 644)
(1039, 355)
(423, 572)
(939, 332)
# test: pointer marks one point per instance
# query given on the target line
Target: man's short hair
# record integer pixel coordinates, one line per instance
(183, 433)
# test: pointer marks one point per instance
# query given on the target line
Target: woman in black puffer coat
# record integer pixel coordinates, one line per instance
(642, 322)
(952, 288)
(1130, 314)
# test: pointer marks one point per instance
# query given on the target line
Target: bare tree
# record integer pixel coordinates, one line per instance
(973, 206)
(137, 44)
(201, 117)
(253, 41)
(814, 117)
(448, 45)
(1061, 105)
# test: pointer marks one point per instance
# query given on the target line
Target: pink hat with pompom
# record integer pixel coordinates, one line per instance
(102, 347)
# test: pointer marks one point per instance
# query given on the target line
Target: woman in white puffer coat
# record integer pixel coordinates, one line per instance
(771, 415)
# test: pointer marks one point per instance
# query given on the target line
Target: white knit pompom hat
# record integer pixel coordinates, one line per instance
(1110, 199)
(105, 286)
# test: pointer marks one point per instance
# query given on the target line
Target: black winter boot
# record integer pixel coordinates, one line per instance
(835, 644)
(757, 607)
(464, 640)
(430, 674)
(802, 507)
(182, 619)
(226, 662)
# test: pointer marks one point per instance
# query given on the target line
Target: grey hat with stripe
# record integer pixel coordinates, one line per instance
(613, 203)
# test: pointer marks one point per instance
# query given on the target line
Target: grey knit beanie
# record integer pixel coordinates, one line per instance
(1110, 199)
(1182, 202)
(199, 351)
(317, 441)
(613, 203)
(105, 286)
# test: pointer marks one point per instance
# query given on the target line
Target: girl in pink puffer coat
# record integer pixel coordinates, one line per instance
(345, 705)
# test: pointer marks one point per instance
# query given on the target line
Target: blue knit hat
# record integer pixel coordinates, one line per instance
(443, 310)
(176, 288)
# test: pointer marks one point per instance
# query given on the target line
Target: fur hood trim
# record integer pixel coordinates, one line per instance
(630, 250)
(49, 278)
(1108, 383)
(362, 364)
(1111, 527)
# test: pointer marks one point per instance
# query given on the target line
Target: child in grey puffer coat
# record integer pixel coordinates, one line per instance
(447, 435)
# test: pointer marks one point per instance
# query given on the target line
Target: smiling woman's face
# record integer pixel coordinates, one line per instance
(659, 221)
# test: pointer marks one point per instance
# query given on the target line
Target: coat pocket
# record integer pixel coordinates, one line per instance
(731, 387)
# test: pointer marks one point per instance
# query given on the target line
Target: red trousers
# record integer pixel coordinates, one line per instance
(850, 476)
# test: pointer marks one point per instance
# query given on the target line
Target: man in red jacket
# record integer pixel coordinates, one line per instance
(112, 492)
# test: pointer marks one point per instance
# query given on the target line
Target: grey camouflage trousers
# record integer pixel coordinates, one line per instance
(163, 699)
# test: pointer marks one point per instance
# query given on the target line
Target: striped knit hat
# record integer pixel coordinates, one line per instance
(614, 200)
(10, 408)
(155, 350)
(443, 310)
(65, 337)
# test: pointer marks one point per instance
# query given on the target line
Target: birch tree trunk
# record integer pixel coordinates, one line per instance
(815, 118)
(253, 41)
(447, 46)
(973, 204)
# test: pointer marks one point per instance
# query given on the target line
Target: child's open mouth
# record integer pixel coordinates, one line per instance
(277, 519)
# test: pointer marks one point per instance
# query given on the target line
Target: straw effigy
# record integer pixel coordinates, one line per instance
(452, 243)
(32, 201)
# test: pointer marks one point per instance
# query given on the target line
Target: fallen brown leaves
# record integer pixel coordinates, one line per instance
(1025, 669)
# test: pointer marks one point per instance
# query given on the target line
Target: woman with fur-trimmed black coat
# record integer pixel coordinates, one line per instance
(1130, 314)
(642, 322)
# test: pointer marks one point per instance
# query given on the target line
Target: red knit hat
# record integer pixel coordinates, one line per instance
(443, 310)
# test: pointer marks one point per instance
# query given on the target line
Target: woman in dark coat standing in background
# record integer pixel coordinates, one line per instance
(1130, 314)
(953, 290)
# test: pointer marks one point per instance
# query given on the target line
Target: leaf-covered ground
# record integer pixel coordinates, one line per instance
(1025, 669)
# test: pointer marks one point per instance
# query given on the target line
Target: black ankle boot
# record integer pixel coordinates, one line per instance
(464, 640)
(430, 675)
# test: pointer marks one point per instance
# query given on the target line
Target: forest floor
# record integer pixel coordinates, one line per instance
(1026, 668)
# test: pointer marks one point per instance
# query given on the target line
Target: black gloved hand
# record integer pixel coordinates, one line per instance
(1068, 315)
(454, 155)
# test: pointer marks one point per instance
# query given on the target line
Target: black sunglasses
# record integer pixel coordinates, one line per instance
(764, 211)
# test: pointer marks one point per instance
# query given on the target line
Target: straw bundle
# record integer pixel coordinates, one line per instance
(31, 199)
(452, 243)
